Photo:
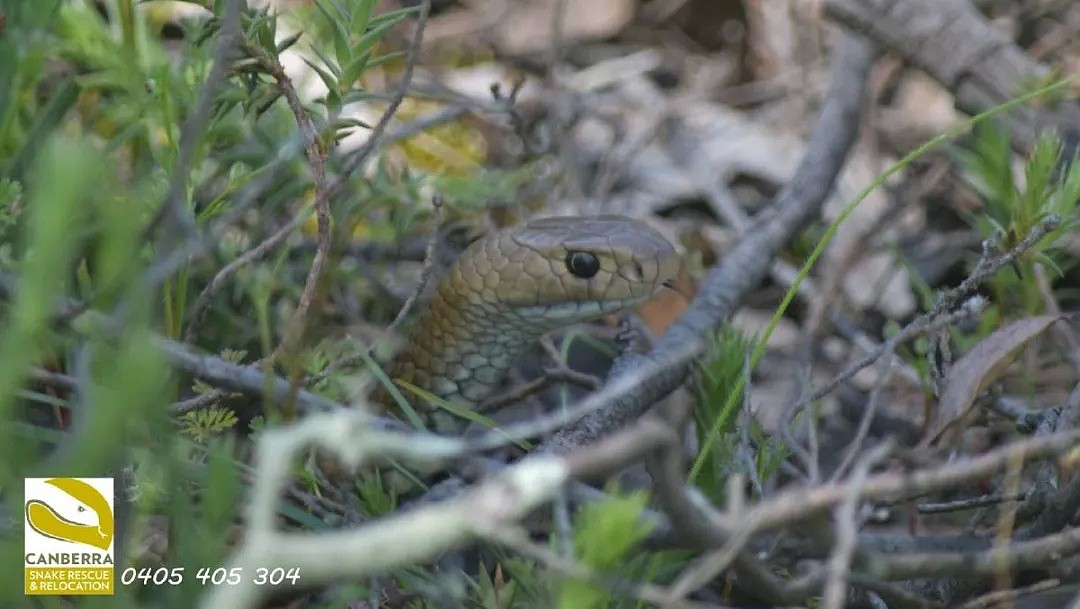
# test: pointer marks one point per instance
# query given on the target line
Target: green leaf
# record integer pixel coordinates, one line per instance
(605, 534)
(361, 16)
(338, 31)
(352, 71)
(288, 42)
(381, 59)
(410, 413)
(328, 79)
(395, 15)
(367, 41)
(459, 410)
(1038, 172)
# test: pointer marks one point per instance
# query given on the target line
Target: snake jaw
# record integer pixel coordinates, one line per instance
(566, 313)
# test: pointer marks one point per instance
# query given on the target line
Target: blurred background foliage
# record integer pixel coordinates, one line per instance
(119, 147)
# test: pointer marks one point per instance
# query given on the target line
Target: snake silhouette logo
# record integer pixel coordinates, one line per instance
(69, 536)
(47, 521)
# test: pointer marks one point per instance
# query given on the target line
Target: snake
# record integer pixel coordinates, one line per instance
(509, 288)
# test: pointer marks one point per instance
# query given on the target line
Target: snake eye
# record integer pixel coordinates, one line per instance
(582, 264)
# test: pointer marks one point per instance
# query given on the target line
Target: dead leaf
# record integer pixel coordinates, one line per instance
(666, 306)
(527, 26)
(976, 369)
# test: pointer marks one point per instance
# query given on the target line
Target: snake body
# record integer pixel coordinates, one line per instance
(509, 288)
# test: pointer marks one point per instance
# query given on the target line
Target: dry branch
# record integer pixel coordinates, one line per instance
(954, 44)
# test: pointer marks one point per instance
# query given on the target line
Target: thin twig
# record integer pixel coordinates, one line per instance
(425, 271)
(260, 251)
(173, 211)
(203, 400)
(983, 564)
(967, 504)
(847, 534)
(556, 374)
(316, 154)
(988, 265)
(238, 377)
(972, 308)
(1005, 598)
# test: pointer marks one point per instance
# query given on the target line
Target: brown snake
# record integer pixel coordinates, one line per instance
(509, 288)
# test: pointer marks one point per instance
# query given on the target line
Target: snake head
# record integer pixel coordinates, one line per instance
(509, 288)
(556, 271)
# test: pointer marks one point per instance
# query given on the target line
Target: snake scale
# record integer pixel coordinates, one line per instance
(510, 287)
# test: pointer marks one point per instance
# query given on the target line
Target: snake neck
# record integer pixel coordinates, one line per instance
(462, 348)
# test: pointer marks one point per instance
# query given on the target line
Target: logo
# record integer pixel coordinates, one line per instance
(69, 536)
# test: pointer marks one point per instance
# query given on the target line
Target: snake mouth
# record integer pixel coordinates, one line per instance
(564, 312)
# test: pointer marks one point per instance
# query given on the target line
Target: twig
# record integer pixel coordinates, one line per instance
(557, 374)
(967, 504)
(237, 377)
(415, 126)
(921, 325)
(847, 534)
(260, 251)
(1018, 556)
(203, 400)
(425, 271)
(868, 415)
(490, 511)
(698, 525)
(316, 154)
(296, 323)
(54, 379)
(798, 503)
(1057, 509)
(971, 308)
(1006, 597)
(173, 209)
(404, 538)
(1027, 420)
(694, 524)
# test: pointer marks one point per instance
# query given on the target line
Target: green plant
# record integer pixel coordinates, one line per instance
(720, 372)
(201, 425)
(605, 533)
(1012, 207)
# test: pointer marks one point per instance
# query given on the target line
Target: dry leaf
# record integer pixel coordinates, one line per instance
(666, 306)
(977, 368)
(527, 26)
